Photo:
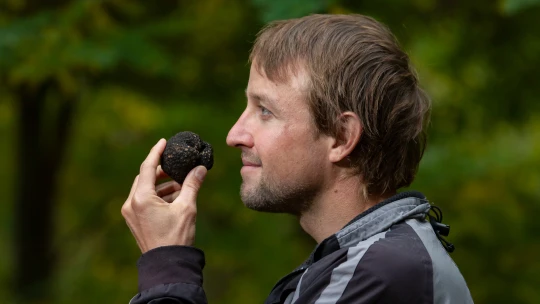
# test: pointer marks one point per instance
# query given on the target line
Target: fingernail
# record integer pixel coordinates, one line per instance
(200, 173)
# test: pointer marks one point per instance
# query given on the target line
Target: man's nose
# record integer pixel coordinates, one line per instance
(239, 134)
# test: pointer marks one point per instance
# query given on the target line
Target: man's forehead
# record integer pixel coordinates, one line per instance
(259, 96)
(287, 77)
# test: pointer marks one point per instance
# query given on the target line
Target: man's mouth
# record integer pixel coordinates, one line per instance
(248, 163)
(250, 160)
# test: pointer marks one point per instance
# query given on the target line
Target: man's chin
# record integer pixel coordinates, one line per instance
(262, 204)
(263, 207)
(255, 200)
(264, 198)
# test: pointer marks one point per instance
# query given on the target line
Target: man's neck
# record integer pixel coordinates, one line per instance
(335, 207)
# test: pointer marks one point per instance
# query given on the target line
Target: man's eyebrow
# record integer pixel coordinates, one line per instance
(258, 97)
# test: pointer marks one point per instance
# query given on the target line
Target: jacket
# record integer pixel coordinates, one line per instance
(388, 254)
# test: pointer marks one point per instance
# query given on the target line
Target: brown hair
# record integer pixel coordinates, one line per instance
(354, 63)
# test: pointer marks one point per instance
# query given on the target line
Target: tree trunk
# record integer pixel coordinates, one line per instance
(40, 156)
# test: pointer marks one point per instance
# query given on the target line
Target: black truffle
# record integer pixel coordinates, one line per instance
(183, 152)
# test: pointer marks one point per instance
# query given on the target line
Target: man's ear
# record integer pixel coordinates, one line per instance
(347, 137)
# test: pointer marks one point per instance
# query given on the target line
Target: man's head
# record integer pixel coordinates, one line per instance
(352, 86)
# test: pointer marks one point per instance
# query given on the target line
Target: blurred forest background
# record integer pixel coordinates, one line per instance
(87, 87)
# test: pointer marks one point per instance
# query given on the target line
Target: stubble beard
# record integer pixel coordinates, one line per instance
(277, 197)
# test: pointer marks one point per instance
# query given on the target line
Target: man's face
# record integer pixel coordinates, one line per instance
(284, 159)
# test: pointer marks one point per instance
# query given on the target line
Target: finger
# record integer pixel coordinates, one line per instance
(171, 197)
(147, 179)
(192, 184)
(160, 174)
(167, 188)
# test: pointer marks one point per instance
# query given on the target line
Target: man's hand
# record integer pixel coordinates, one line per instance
(165, 214)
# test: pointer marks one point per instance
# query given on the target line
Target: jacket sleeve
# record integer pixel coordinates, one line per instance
(171, 275)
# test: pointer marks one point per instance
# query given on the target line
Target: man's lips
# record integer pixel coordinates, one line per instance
(249, 166)
(249, 160)
(248, 163)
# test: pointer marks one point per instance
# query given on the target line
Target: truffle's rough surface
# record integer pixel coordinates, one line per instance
(183, 152)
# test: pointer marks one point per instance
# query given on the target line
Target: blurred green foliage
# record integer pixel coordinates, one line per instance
(143, 70)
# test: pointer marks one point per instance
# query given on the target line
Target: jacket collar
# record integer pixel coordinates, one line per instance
(376, 219)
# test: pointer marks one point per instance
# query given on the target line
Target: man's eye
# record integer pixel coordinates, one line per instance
(265, 111)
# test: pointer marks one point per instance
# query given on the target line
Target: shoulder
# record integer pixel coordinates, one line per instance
(400, 251)
(397, 265)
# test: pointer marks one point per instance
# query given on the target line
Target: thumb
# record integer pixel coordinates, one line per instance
(192, 184)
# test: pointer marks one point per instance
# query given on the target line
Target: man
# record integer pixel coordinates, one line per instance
(333, 127)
